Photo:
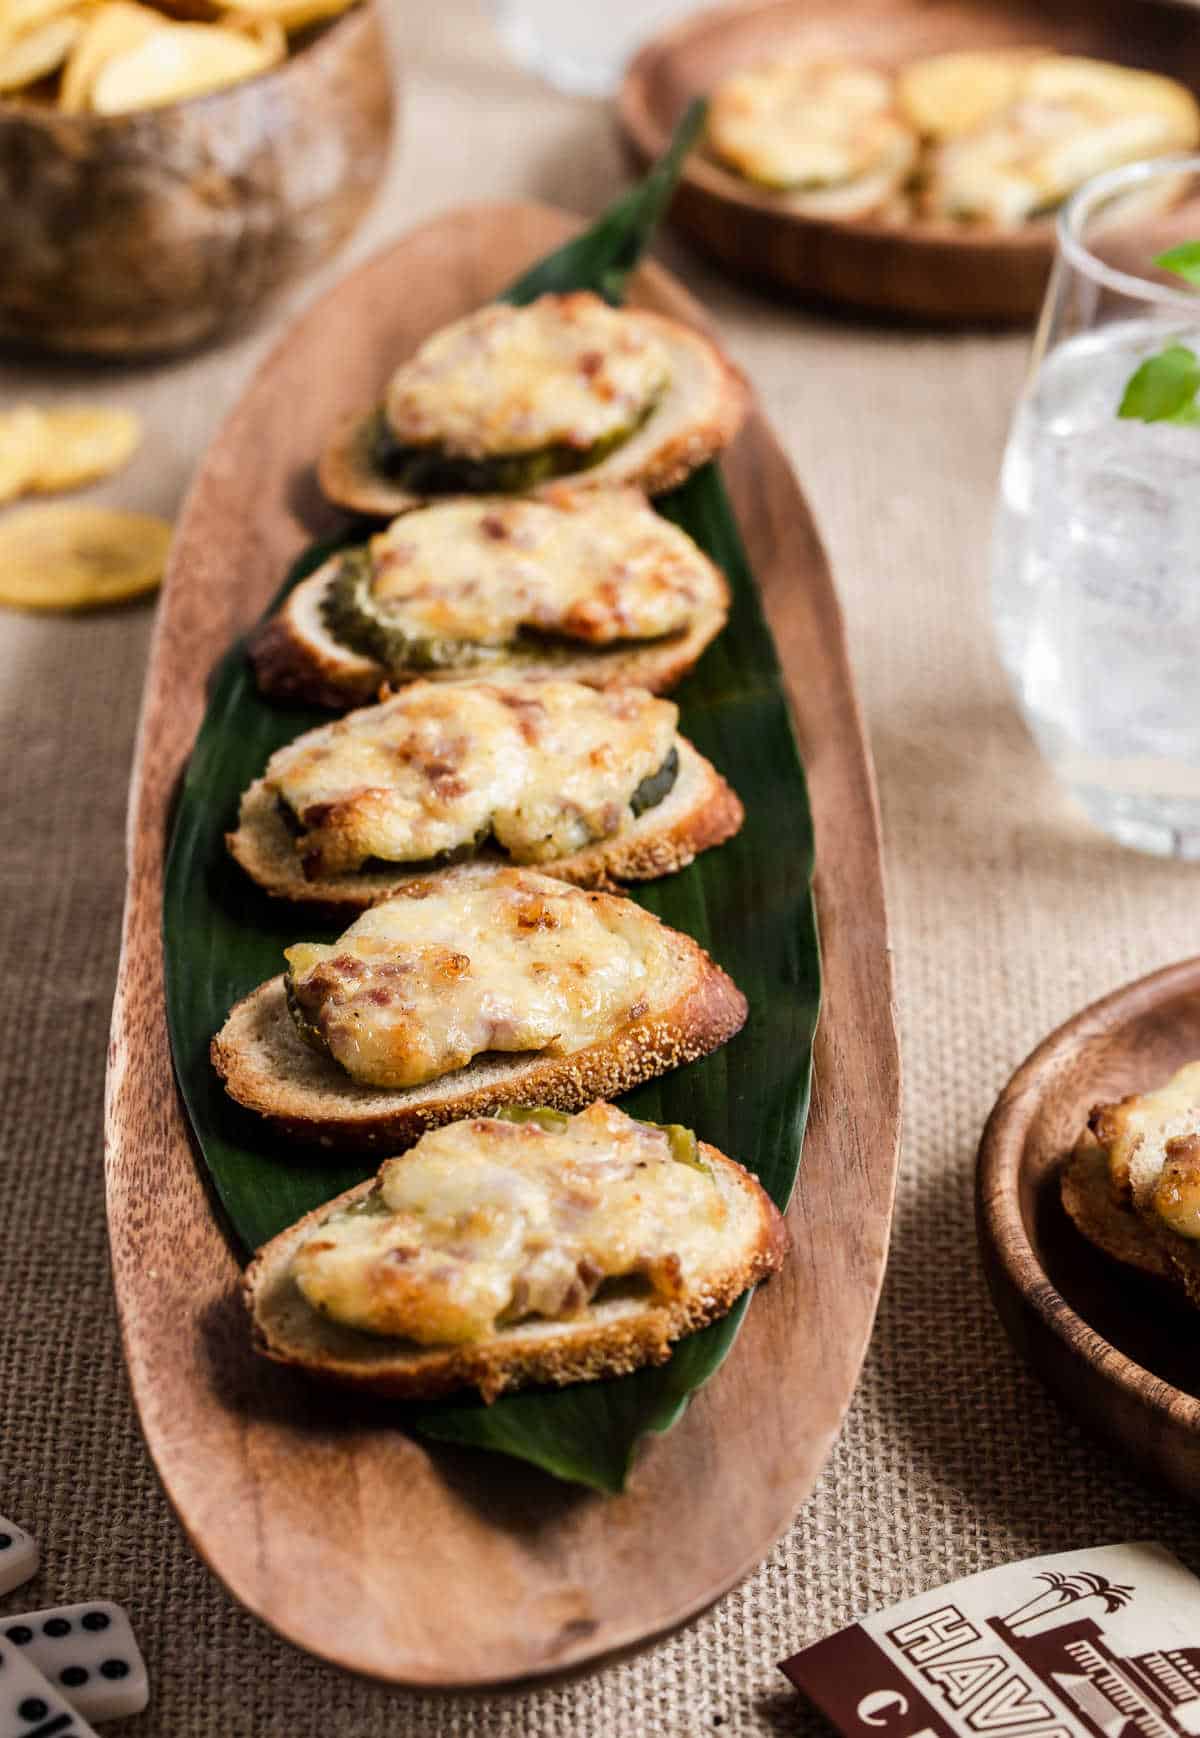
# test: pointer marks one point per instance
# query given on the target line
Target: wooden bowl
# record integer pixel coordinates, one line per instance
(125, 235)
(1117, 1348)
(933, 271)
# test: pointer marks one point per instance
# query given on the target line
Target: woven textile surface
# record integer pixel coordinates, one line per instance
(1007, 914)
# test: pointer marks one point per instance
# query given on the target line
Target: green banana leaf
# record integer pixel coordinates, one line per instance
(749, 903)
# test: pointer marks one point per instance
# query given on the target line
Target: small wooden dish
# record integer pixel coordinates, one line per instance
(932, 271)
(130, 235)
(1117, 1348)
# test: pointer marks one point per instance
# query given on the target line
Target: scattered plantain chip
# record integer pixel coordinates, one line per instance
(21, 433)
(43, 451)
(72, 557)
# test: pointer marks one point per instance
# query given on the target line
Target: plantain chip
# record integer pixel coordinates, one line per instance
(175, 62)
(34, 54)
(110, 30)
(72, 557)
(293, 15)
(83, 442)
(22, 433)
(44, 451)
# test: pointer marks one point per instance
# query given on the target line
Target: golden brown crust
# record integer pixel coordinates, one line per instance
(1088, 1197)
(295, 658)
(579, 1350)
(694, 424)
(711, 814)
(292, 666)
(253, 1050)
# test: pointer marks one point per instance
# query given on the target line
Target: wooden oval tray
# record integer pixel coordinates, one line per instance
(1118, 1349)
(933, 271)
(351, 1539)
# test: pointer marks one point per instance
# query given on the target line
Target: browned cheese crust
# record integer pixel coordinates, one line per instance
(698, 417)
(267, 1067)
(581, 1349)
(664, 839)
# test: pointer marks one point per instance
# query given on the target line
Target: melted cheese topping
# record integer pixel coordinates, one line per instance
(546, 767)
(1072, 119)
(477, 959)
(1150, 1142)
(796, 124)
(485, 1223)
(598, 566)
(567, 370)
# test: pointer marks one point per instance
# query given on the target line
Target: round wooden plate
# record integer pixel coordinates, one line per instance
(932, 271)
(1117, 1348)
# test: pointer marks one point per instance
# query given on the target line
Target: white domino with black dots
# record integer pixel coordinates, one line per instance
(30, 1706)
(88, 1652)
(18, 1555)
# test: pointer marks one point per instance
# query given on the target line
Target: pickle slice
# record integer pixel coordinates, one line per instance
(541, 1114)
(352, 614)
(655, 786)
(433, 471)
(311, 1034)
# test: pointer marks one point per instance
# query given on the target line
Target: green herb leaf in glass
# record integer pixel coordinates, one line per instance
(1183, 260)
(1164, 388)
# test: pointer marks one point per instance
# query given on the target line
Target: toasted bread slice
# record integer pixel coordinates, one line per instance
(1136, 1177)
(297, 658)
(700, 810)
(694, 1007)
(616, 1332)
(698, 414)
(1088, 1198)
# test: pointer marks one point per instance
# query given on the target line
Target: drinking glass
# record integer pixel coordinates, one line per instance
(580, 45)
(1096, 554)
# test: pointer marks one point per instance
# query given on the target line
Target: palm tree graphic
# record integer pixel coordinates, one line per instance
(1063, 1592)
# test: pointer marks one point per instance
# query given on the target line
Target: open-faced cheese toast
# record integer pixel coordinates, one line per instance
(502, 1252)
(510, 399)
(1132, 1185)
(591, 786)
(471, 989)
(591, 586)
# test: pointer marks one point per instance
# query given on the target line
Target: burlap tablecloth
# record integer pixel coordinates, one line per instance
(1007, 914)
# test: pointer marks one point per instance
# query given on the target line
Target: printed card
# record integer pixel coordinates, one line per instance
(1084, 1644)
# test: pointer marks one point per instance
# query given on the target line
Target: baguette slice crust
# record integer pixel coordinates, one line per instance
(1116, 1230)
(267, 1067)
(613, 1336)
(698, 415)
(700, 810)
(297, 658)
(1111, 1185)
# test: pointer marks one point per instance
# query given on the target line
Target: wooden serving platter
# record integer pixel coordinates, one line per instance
(932, 271)
(350, 1538)
(1118, 1349)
